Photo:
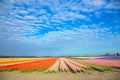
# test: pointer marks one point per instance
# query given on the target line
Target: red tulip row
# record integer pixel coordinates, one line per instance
(40, 64)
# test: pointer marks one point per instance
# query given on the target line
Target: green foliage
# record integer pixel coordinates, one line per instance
(22, 70)
(8, 70)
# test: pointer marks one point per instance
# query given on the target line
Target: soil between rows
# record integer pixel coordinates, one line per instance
(92, 75)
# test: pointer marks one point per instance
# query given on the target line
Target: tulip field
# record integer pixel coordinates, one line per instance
(115, 63)
(58, 64)
(28, 65)
(64, 64)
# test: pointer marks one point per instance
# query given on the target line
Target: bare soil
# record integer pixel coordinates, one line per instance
(90, 75)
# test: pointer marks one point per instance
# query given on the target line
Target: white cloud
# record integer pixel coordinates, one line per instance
(5, 9)
(69, 16)
(75, 36)
(113, 5)
(88, 5)
(29, 17)
(94, 3)
(56, 21)
(44, 18)
(70, 40)
(43, 11)
(24, 12)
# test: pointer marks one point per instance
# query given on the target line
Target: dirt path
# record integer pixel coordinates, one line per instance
(93, 75)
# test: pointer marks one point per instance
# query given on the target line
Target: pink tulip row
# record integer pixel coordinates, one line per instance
(115, 63)
(77, 64)
(64, 64)
(72, 66)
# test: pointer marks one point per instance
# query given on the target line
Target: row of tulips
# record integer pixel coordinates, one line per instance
(73, 67)
(64, 64)
(115, 63)
(39, 64)
(15, 61)
(77, 64)
(21, 62)
(92, 66)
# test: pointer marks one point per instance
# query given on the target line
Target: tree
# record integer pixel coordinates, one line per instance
(107, 54)
(117, 54)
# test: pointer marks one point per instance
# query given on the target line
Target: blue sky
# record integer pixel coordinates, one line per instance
(59, 27)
